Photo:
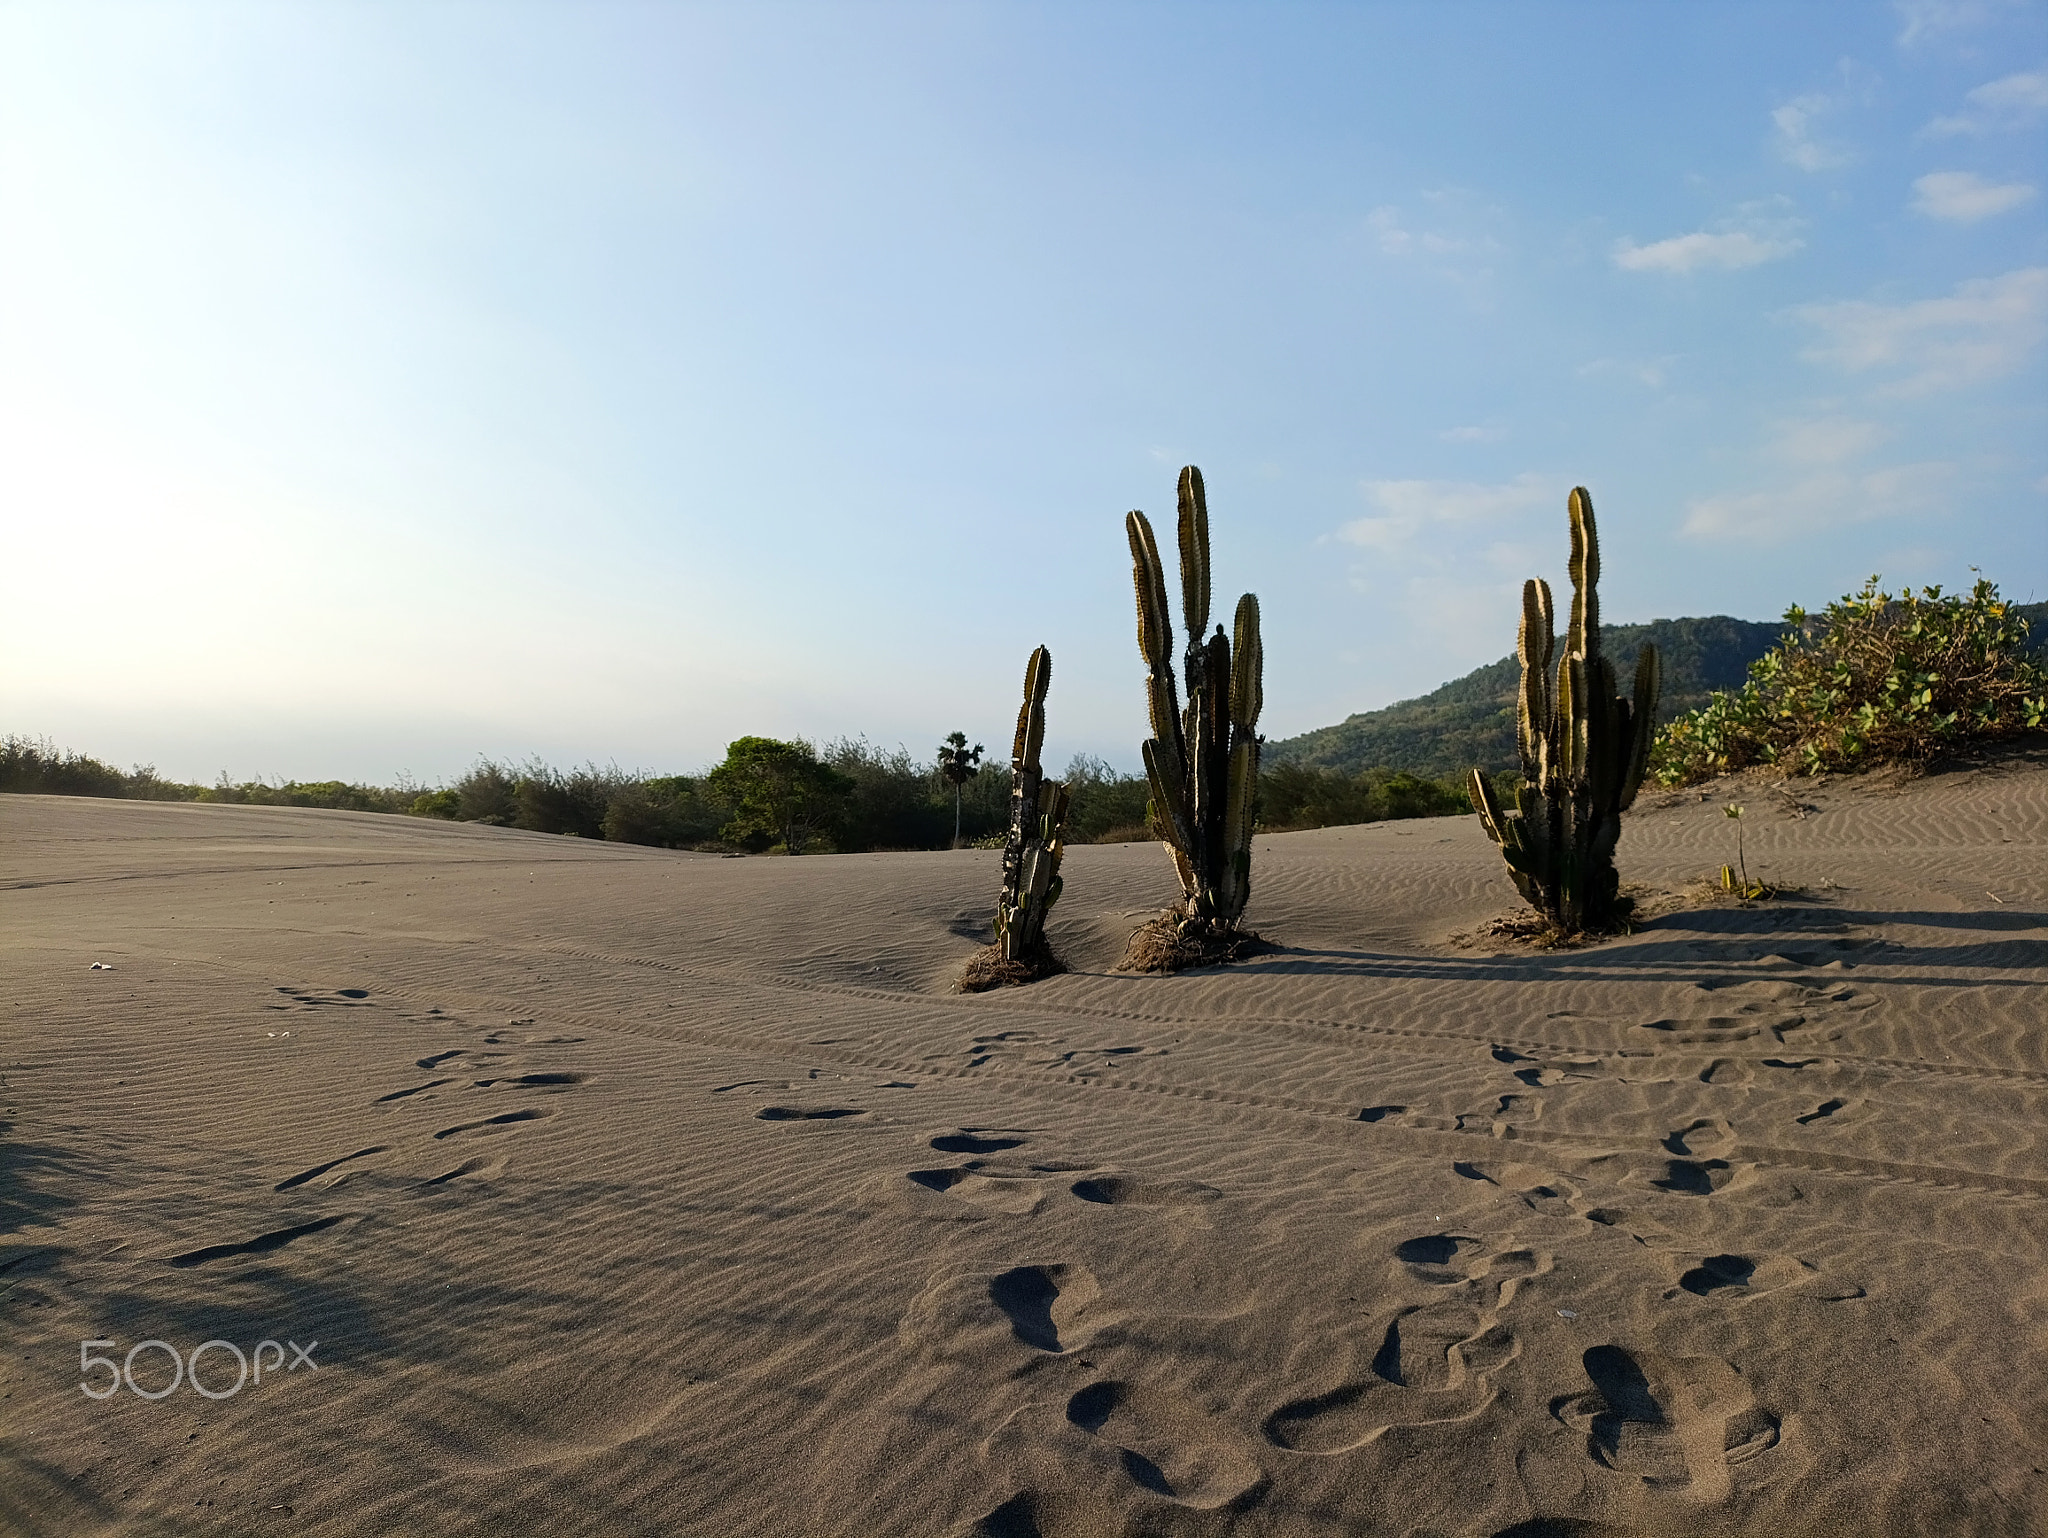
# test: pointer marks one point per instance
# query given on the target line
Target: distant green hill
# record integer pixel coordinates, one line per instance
(1470, 722)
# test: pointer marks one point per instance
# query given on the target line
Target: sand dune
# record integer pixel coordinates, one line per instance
(634, 1192)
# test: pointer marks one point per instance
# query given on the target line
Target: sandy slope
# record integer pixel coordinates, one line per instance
(631, 1192)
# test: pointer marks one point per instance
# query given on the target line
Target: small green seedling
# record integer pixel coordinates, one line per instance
(1735, 878)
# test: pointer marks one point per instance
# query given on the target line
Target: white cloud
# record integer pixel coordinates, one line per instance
(2013, 101)
(1649, 372)
(1405, 508)
(1825, 440)
(1796, 143)
(1965, 197)
(1920, 20)
(1822, 500)
(1398, 237)
(1684, 253)
(1473, 434)
(1986, 328)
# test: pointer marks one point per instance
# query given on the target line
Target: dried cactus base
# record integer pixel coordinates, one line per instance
(1526, 927)
(1173, 943)
(987, 969)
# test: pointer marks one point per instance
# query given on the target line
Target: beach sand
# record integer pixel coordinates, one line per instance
(635, 1192)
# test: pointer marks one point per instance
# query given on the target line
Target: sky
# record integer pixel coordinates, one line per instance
(387, 386)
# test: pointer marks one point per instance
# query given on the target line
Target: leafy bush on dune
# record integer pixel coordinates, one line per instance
(486, 794)
(665, 812)
(549, 801)
(330, 795)
(1873, 679)
(1294, 796)
(34, 766)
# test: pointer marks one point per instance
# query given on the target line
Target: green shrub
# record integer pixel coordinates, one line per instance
(485, 794)
(1296, 796)
(1103, 806)
(779, 794)
(33, 766)
(546, 800)
(1873, 679)
(667, 812)
(332, 795)
(893, 801)
(436, 803)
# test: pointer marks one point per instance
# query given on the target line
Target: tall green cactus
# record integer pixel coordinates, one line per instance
(1038, 818)
(1584, 749)
(1203, 762)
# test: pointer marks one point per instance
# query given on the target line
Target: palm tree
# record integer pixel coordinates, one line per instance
(959, 764)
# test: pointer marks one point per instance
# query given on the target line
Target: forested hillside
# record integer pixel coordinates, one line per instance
(1470, 722)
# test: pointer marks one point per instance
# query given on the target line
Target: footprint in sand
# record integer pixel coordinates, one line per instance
(1542, 1073)
(1049, 1308)
(490, 1124)
(303, 1176)
(808, 1112)
(1740, 1279)
(1434, 1365)
(519, 1038)
(1013, 1192)
(1507, 1109)
(1705, 1135)
(1040, 1301)
(1824, 1111)
(481, 1169)
(408, 1093)
(1734, 1012)
(1127, 1191)
(324, 998)
(979, 1140)
(998, 1045)
(533, 1081)
(1167, 1445)
(262, 1244)
(1539, 1190)
(1675, 1423)
(1699, 1177)
(1433, 1362)
(1090, 1062)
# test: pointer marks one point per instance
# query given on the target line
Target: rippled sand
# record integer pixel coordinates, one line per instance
(633, 1192)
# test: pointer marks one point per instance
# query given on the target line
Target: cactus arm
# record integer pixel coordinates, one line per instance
(1155, 630)
(1169, 803)
(1642, 722)
(1239, 816)
(1024, 748)
(1533, 647)
(1194, 553)
(1486, 805)
(1155, 624)
(1584, 636)
(1248, 666)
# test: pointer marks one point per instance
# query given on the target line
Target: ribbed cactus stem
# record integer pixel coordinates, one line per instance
(1584, 749)
(1038, 815)
(1194, 552)
(1203, 760)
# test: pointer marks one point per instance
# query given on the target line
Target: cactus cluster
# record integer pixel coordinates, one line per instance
(1203, 762)
(1584, 750)
(1038, 817)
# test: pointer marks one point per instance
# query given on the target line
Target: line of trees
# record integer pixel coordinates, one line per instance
(847, 796)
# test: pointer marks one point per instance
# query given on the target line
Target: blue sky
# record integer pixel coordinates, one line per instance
(381, 386)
